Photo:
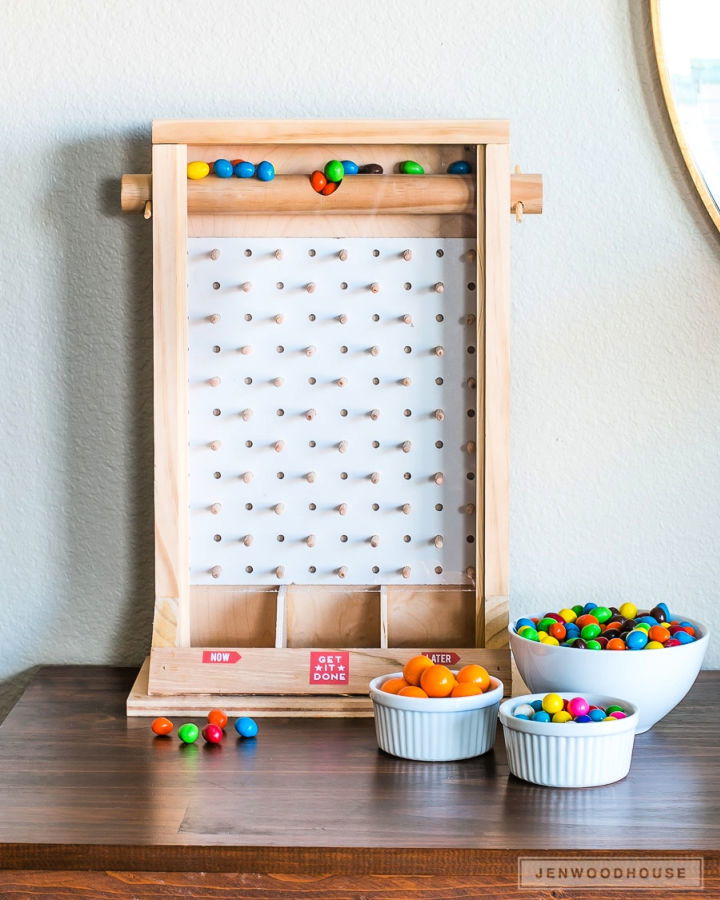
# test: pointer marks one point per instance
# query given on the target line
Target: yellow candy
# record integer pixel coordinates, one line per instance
(552, 641)
(653, 645)
(569, 615)
(543, 636)
(628, 610)
(665, 624)
(562, 716)
(197, 170)
(552, 703)
(609, 719)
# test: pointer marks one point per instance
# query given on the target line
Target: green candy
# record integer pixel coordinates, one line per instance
(578, 610)
(642, 626)
(593, 645)
(334, 170)
(544, 624)
(601, 613)
(612, 709)
(410, 167)
(529, 633)
(188, 733)
(590, 631)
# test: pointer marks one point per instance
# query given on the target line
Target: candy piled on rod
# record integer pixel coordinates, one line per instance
(553, 708)
(593, 627)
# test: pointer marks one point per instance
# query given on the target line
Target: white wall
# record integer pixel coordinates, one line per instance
(616, 288)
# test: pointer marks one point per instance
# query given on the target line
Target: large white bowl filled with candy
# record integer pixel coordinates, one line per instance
(651, 657)
(561, 739)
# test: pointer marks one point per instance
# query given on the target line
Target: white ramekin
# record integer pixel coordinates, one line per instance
(436, 729)
(569, 754)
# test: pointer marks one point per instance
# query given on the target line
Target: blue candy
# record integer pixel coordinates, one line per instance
(265, 171)
(536, 705)
(596, 715)
(521, 716)
(588, 608)
(246, 727)
(683, 637)
(223, 168)
(521, 623)
(687, 624)
(349, 167)
(541, 716)
(244, 169)
(664, 608)
(460, 167)
(647, 620)
(636, 640)
(586, 718)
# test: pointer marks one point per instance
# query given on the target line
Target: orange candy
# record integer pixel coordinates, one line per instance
(318, 180)
(474, 674)
(437, 681)
(217, 717)
(557, 631)
(658, 633)
(412, 691)
(616, 644)
(466, 689)
(414, 668)
(330, 187)
(162, 725)
(393, 685)
(582, 621)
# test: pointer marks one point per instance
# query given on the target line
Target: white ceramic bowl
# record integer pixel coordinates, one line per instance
(654, 680)
(569, 754)
(436, 729)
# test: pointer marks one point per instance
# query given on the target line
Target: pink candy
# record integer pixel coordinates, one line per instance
(578, 706)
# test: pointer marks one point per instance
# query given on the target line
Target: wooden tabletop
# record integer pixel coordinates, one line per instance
(82, 786)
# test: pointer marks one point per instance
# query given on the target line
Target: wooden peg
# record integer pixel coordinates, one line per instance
(470, 572)
(279, 319)
(375, 287)
(247, 477)
(438, 287)
(407, 319)
(246, 415)
(215, 508)
(310, 414)
(406, 508)
(472, 382)
(214, 318)
(438, 541)
(246, 286)
(343, 255)
(310, 287)
(246, 350)
(439, 414)
(311, 540)
(341, 382)
(438, 351)
(406, 446)
(278, 254)
(278, 509)
(215, 445)
(406, 382)
(374, 351)
(375, 540)
(470, 447)
(342, 571)
(278, 381)
(216, 571)
(214, 381)
(247, 540)
(310, 477)
(405, 571)
(407, 255)
(375, 477)
(438, 478)
(374, 414)
(278, 446)
(471, 254)
(215, 254)
(279, 571)
(342, 446)
(469, 509)
(310, 351)
(147, 210)
(342, 319)
(342, 509)
(470, 319)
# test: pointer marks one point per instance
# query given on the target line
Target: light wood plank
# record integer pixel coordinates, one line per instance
(436, 616)
(281, 617)
(480, 363)
(170, 343)
(330, 131)
(315, 225)
(241, 615)
(383, 616)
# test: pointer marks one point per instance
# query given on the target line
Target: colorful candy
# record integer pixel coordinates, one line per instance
(593, 627)
(552, 708)
(370, 169)
(188, 733)
(410, 167)
(265, 171)
(243, 169)
(217, 717)
(459, 167)
(197, 169)
(349, 167)
(246, 727)
(162, 726)
(334, 170)
(318, 181)
(212, 734)
(223, 168)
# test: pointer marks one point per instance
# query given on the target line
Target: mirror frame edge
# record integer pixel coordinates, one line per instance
(671, 108)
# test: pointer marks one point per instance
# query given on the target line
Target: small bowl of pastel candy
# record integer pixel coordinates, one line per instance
(614, 642)
(562, 739)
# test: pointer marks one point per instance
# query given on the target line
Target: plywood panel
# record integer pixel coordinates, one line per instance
(432, 617)
(237, 616)
(333, 617)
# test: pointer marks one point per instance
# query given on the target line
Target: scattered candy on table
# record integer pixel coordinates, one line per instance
(459, 167)
(162, 726)
(593, 627)
(553, 708)
(213, 732)
(217, 717)
(423, 678)
(246, 727)
(188, 733)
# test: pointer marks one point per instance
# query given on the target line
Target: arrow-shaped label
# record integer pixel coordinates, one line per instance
(442, 657)
(221, 656)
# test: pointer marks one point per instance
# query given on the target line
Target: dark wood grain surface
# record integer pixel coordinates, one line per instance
(83, 787)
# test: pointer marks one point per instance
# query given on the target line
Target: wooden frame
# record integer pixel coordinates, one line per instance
(177, 677)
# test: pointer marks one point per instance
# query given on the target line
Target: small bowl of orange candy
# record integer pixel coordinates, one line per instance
(432, 713)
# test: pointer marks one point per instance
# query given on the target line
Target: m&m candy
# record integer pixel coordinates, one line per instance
(188, 733)
(559, 712)
(246, 727)
(223, 168)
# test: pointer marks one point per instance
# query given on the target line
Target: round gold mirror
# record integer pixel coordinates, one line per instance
(687, 47)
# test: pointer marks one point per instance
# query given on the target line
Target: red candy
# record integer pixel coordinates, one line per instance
(212, 733)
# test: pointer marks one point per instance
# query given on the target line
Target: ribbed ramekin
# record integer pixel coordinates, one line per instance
(569, 754)
(436, 729)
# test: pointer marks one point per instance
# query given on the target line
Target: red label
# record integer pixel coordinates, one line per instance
(221, 656)
(442, 657)
(330, 668)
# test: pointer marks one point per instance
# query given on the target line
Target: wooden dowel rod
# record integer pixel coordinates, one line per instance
(362, 194)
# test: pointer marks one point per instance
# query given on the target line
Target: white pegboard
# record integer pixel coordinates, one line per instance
(338, 329)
